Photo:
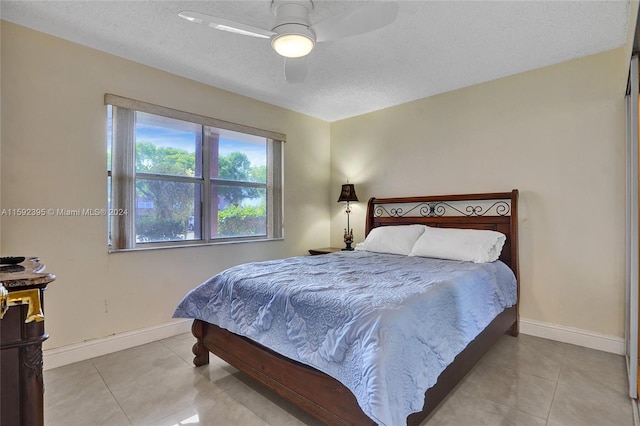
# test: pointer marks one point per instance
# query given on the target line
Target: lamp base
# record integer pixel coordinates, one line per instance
(348, 240)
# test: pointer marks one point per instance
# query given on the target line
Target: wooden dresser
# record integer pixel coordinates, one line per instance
(21, 336)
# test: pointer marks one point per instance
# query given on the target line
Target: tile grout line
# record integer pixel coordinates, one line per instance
(190, 364)
(555, 389)
(112, 395)
(176, 354)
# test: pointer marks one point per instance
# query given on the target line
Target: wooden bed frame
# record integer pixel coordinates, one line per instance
(323, 396)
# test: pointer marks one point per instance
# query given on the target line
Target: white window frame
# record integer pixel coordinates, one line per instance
(123, 175)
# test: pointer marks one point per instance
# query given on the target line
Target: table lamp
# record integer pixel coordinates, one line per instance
(348, 194)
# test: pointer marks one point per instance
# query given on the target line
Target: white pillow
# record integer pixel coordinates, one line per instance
(474, 245)
(398, 239)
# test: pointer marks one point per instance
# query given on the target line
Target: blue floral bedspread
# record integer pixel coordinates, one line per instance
(384, 325)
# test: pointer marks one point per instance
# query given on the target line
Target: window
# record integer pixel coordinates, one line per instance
(178, 178)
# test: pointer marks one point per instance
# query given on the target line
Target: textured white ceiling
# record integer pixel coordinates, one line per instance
(432, 47)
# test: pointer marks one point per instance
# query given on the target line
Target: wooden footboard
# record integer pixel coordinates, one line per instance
(313, 391)
(319, 394)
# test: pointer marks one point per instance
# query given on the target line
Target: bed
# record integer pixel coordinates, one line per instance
(327, 398)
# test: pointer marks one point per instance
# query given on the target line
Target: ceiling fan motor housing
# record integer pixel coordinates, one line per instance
(292, 19)
(292, 11)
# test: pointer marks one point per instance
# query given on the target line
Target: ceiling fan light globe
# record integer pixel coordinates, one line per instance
(292, 45)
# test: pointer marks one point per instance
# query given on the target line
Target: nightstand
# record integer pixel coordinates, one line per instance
(324, 250)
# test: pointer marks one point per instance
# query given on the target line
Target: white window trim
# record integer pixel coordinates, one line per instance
(120, 101)
(123, 175)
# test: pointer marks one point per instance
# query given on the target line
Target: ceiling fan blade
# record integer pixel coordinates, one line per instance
(295, 69)
(225, 24)
(362, 20)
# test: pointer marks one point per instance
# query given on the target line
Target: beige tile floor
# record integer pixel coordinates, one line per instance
(521, 381)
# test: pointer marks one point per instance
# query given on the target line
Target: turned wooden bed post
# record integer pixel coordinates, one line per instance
(515, 267)
(199, 349)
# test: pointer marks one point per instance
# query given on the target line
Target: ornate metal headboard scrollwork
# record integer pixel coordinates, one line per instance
(443, 208)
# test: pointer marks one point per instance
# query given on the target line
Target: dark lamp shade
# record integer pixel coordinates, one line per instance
(348, 193)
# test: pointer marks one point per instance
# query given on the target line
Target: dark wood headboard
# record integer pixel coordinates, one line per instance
(497, 211)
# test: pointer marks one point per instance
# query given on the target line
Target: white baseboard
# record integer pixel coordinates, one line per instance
(575, 336)
(93, 348)
(65, 355)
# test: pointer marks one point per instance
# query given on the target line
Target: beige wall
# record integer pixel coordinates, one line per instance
(53, 146)
(557, 134)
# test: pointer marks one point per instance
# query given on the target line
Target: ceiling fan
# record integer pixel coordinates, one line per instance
(293, 36)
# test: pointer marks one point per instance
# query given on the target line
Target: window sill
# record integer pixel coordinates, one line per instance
(173, 245)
